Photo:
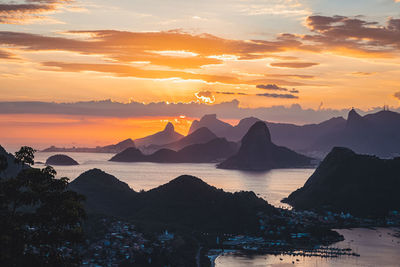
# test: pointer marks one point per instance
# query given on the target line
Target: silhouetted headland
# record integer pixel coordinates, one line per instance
(362, 185)
(257, 153)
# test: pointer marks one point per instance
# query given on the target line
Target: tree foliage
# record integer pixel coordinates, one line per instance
(40, 219)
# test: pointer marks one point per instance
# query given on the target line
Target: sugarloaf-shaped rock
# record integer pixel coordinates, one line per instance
(362, 185)
(61, 160)
(257, 152)
(168, 135)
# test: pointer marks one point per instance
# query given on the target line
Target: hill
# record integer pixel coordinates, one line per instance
(61, 160)
(166, 136)
(212, 151)
(345, 181)
(185, 201)
(257, 153)
(104, 193)
(199, 136)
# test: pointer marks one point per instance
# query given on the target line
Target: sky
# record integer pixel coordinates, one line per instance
(317, 56)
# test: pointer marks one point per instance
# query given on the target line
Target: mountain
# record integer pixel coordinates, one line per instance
(63, 160)
(116, 148)
(185, 201)
(257, 152)
(375, 134)
(211, 122)
(131, 154)
(301, 138)
(168, 135)
(212, 151)
(238, 131)
(363, 185)
(296, 137)
(104, 193)
(199, 136)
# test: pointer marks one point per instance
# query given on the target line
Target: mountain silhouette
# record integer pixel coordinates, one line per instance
(116, 148)
(168, 135)
(61, 160)
(186, 201)
(104, 193)
(374, 134)
(200, 136)
(363, 185)
(257, 152)
(212, 151)
(211, 122)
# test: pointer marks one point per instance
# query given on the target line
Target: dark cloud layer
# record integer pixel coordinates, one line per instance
(228, 110)
(295, 65)
(355, 34)
(273, 87)
(287, 96)
(12, 13)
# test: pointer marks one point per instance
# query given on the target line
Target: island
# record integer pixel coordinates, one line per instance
(62, 160)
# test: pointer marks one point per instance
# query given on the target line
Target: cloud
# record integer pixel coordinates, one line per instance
(288, 96)
(30, 12)
(148, 46)
(362, 73)
(7, 55)
(354, 35)
(227, 110)
(397, 95)
(270, 87)
(294, 91)
(231, 93)
(296, 65)
(129, 71)
(206, 97)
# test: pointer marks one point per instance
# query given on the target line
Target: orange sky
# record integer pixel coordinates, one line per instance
(318, 54)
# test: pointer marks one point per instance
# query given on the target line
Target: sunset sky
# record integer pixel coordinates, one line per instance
(314, 55)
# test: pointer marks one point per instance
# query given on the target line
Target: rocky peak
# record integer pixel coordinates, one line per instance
(258, 133)
(169, 127)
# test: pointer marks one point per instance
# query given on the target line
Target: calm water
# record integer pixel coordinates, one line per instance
(272, 186)
(376, 247)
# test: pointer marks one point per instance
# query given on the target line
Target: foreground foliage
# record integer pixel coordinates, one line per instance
(40, 219)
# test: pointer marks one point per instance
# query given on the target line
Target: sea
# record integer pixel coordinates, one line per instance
(377, 247)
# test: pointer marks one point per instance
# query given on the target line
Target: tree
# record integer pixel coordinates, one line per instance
(41, 220)
(3, 164)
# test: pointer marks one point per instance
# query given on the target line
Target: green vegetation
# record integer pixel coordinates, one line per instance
(40, 219)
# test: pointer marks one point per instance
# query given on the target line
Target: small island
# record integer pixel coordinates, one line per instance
(61, 160)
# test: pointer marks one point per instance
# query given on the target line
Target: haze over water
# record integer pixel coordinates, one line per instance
(376, 247)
